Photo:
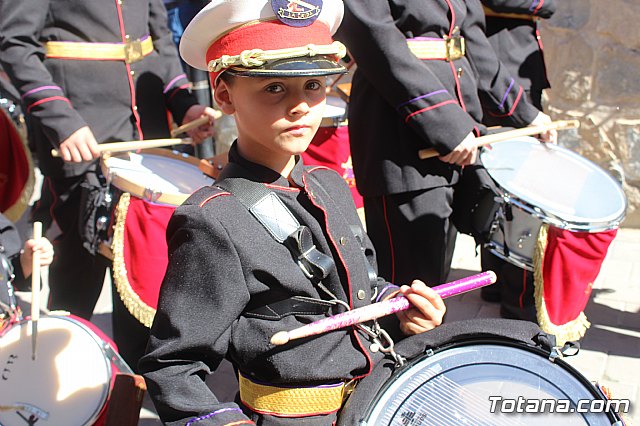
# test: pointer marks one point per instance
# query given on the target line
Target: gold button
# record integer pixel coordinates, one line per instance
(135, 108)
(361, 294)
(132, 72)
(127, 37)
(460, 72)
(343, 240)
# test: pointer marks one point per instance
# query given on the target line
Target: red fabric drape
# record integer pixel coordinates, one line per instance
(572, 261)
(14, 164)
(145, 248)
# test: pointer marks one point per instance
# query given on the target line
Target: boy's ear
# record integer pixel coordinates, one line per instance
(222, 97)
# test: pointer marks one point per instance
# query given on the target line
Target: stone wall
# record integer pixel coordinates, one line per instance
(592, 49)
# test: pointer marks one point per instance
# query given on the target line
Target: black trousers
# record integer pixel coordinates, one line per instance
(513, 289)
(130, 335)
(412, 234)
(75, 276)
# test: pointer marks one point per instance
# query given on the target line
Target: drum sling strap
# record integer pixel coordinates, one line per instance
(282, 225)
(278, 220)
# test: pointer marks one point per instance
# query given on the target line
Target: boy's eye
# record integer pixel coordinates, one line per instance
(274, 88)
(313, 85)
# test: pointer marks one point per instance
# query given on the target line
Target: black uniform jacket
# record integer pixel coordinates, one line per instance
(400, 104)
(224, 266)
(62, 95)
(516, 41)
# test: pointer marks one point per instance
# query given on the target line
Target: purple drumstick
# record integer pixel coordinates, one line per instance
(380, 309)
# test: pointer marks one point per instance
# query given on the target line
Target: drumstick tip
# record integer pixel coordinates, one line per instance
(492, 276)
(280, 338)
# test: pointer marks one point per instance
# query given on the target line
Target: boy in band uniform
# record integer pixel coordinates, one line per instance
(231, 284)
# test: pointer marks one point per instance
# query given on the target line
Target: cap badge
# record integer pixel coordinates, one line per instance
(297, 13)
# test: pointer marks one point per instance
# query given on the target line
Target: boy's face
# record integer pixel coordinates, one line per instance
(276, 117)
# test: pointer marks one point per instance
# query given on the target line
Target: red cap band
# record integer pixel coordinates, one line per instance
(267, 35)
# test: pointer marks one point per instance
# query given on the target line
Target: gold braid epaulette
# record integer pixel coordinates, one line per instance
(140, 310)
(258, 57)
(574, 329)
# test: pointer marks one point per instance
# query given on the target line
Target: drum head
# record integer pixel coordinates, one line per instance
(335, 108)
(455, 369)
(558, 183)
(459, 385)
(68, 382)
(157, 175)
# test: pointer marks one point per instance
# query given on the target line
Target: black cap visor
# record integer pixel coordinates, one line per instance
(319, 65)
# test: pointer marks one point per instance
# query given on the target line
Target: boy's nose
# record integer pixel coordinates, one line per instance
(300, 107)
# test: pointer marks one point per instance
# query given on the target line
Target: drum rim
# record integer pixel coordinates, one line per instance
(125, 185)
(571, 223)
(365, 419)
(106, 389)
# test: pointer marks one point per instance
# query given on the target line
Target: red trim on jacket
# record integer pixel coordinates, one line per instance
(132, 88)
(282, 188)
(206, 200)
(450, 101)
(393, 258)
(335, 246)
(49, 99)
(513, 107)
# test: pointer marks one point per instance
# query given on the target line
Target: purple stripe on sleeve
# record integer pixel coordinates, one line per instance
(208, 416)
(534, 4)
(172, 82)
(40, 89)
(421, 97)
(504, 99)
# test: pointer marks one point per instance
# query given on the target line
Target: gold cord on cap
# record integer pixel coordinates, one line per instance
(257, 57)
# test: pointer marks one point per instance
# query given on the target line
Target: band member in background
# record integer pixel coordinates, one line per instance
(420, 65)
(232, 281)
(19, 256)
(77, 65)
(512, 30)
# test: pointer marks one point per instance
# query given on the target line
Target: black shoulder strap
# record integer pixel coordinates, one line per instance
(277, 219)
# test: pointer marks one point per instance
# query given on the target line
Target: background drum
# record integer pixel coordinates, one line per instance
(455, 369)
(545, 183)
(69, 381)
(152, 184)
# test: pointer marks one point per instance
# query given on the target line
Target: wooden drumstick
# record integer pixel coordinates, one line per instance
(380, 309)
(134, 145)
(193, 124)
(509, 134)
(35, 289)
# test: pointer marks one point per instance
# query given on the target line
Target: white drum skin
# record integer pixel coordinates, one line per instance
(156, 175)
(67, 384)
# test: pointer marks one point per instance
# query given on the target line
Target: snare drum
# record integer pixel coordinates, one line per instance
(330, 146)
(545, 183)
(69, 381)
(152, 184)
(476, 373)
